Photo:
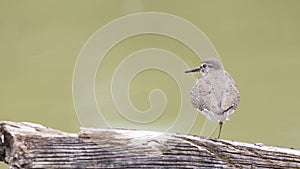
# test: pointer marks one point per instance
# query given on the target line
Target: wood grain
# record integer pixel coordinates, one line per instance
(28, 145)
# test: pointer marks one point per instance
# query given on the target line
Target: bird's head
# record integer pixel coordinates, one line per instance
(207, 65)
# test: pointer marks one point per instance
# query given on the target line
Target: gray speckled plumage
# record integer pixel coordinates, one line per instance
(214, 93)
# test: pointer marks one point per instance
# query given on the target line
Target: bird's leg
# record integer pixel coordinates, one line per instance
(220, 123)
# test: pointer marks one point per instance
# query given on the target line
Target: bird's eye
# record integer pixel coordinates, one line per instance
(204, 65)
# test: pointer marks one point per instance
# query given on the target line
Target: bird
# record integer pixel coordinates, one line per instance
(215, 93)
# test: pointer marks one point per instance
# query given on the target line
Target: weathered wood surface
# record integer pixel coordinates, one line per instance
(28, 145)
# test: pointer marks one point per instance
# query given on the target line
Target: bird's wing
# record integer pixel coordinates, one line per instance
(231, 96)
(215, 95)
(203, 96)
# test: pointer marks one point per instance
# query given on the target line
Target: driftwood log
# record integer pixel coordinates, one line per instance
(28, 145)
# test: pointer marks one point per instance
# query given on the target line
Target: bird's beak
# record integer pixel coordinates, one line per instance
(193, 70)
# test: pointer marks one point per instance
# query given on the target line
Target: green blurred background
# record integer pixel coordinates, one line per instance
(258, 42)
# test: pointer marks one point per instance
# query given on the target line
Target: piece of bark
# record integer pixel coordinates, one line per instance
(28, 145)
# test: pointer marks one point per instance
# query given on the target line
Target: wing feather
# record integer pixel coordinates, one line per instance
(215, 95)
